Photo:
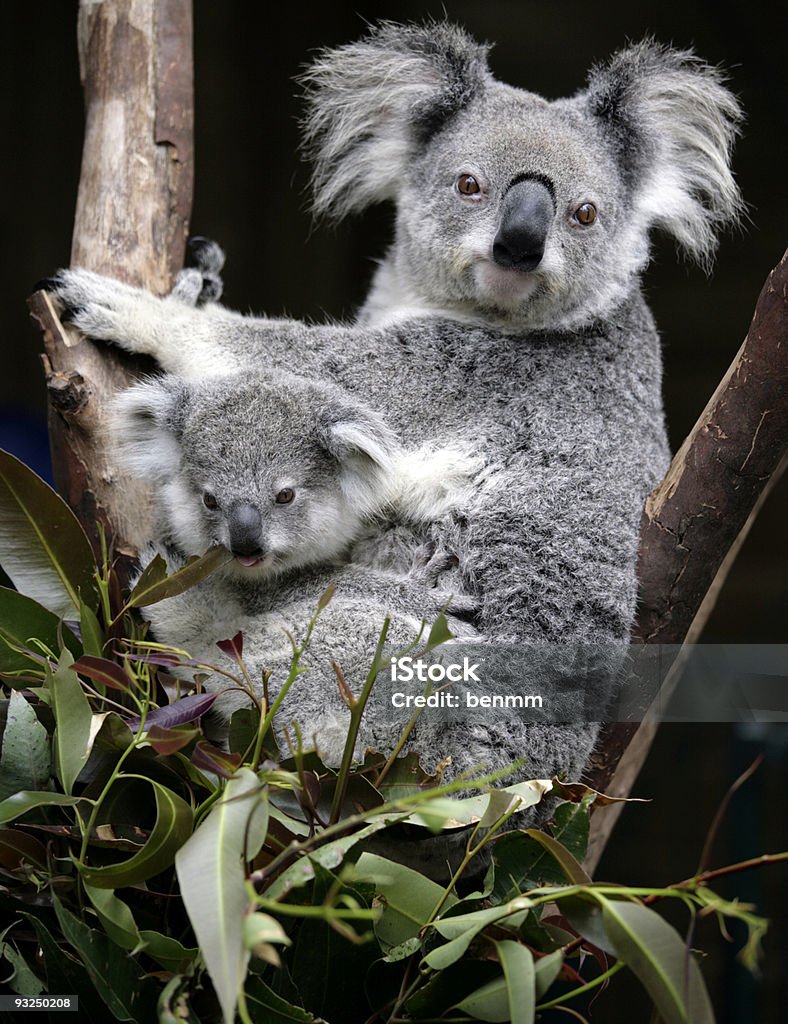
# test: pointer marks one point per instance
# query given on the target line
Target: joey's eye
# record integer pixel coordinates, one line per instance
(585, 214)
(467, 185)
(285, 496)
(209, 500)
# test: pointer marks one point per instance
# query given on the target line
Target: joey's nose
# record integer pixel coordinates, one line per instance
(527, 212)
(245, 525)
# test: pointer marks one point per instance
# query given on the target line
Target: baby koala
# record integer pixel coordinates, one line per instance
(281, 471)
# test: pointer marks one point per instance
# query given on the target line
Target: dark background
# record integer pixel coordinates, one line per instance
(250, 195)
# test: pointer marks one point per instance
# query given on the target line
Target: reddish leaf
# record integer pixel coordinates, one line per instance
(209, 758)
(187, 709)
(102, 671)
(169, 741)
(233, 648)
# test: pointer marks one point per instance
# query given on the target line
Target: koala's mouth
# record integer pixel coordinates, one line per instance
(505, 286)
(250, 560)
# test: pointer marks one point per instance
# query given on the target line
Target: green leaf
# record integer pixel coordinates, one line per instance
(658, 956)
(329, 855)
(463, 929)
(120, 926)
(66, 974)
(43, 548)
(93, 638)
(22, 980)
(546, 970)
(440, 632)
(20, 803)
(518, 971)
(172, 829)
(573, 871)
(17, 847)
(259, 928)
(116, 977)
(25, 758)
(438, 812)
(152, 587)
(265, 1005)
(408, 898)
(74, 721)
(21, 620)
(510, 998)
(570, 826)
(212, 880)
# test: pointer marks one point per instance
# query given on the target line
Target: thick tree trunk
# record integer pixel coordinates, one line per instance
(133, 207)
(696, 520)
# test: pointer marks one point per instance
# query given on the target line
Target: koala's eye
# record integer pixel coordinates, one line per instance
(585, 214)
(467, 185)
(209, 500)
(285, 496)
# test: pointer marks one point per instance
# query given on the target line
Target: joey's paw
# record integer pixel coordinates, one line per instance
(200, 282)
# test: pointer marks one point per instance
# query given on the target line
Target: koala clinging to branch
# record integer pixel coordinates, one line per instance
(506, 319)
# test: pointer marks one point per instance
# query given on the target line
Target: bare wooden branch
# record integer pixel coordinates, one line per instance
(696, 520)
(131, 222)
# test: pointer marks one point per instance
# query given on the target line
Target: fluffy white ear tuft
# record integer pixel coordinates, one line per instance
(146, 421)
(365, 448)
(370, 105)
(673, 123)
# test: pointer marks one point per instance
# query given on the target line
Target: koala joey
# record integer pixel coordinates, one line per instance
(279, 470)
(507, 318)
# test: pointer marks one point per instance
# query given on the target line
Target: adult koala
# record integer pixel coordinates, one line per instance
(506, 320)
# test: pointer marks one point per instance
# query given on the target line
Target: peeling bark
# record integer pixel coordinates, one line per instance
(131, 222)
(695, 521)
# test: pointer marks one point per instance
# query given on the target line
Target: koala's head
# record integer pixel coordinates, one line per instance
(280, 471)
(524, 211)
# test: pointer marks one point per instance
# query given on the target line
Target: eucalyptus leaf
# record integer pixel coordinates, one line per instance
(266, 1006)
(23, 981)
(20, 803)
(171, 830)
(518, 971)
(119, 924)
(116, 977)
(212, 880)
(407, 897)
(658, 956)
(74, 721)
(572, 870)
(23, 619)
(43, 548)
(25, 756)
(152, 588)
(546, 970)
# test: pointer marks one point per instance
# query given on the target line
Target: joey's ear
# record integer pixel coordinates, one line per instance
(365, 448)
(673, 124)
(371, 104)
(146, 424)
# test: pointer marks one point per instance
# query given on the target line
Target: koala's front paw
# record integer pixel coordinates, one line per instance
(201, 281)
(98, 306)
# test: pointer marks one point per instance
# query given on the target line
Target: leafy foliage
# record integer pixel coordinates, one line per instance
(164, 878)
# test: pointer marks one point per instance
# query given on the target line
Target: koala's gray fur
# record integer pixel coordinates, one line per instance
(538, 355)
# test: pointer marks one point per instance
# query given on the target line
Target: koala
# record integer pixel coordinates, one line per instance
(506, 319)
(281, 471)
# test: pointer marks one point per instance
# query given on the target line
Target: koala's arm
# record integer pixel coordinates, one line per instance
(190, 342)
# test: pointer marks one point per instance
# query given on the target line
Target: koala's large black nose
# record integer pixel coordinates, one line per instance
(245, 525)
(527, 212)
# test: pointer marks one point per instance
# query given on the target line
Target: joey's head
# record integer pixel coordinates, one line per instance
(513, 209)
(280, 471)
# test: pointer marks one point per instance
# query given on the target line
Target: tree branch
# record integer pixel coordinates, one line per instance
(696, 520)
(131, 222)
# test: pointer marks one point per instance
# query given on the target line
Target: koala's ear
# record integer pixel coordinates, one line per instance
(365, 448)
(146, 425)
(673, 124)
(371, 104)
